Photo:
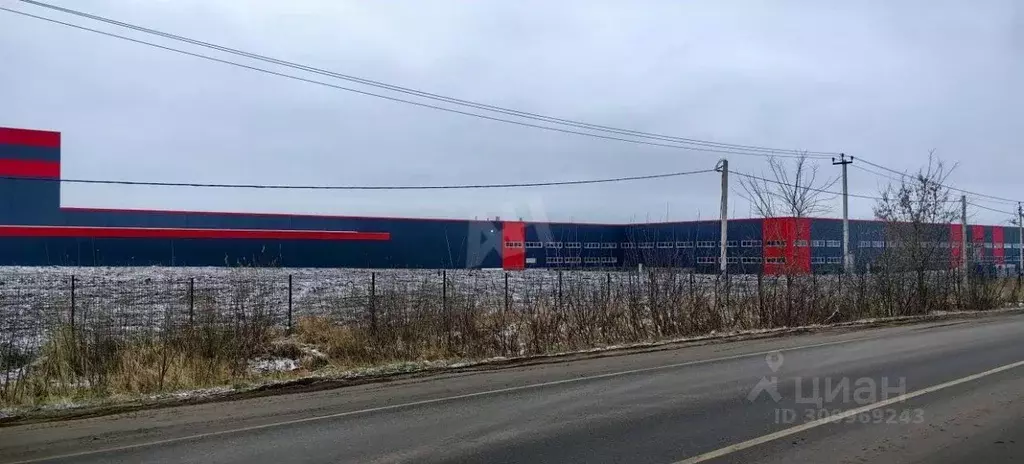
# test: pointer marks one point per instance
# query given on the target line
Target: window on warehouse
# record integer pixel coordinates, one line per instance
(834, 244)
(684, 244)
(664, 244)
(572, 244)
(592, 245)
(818, 243)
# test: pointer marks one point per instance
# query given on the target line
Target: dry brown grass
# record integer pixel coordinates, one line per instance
(415, 323)
(343, 344)
(75, 365)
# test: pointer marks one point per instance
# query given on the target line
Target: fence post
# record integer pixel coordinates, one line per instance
(728, 291)
(506, 292)
(191, 299)
(373, 303)
(444, 309)
(559, 290)
(289, 304)
(72, 302)
(608, 288)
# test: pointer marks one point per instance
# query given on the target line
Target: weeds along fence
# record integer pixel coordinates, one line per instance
(139, 331)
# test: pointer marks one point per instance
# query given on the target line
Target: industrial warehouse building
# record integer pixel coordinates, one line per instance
(36, 231)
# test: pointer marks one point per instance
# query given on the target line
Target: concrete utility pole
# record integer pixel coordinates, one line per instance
(723, 166)
(847, 258)
(963, 239)
(1020, 240)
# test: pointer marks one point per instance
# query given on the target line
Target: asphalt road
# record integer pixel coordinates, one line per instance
(937, 393)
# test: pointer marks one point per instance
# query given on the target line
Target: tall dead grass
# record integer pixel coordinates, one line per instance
(452, 315)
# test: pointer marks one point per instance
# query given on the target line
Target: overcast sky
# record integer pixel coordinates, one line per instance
(883, 80)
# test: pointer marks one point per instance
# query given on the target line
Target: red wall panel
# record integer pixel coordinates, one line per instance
(31, 138)
(172, 232)
(513, 236)
(29, 168)
(998, 253)
(978, 240)
(789, 231)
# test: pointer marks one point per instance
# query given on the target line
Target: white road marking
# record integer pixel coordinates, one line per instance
(438, 400)
(834, 418)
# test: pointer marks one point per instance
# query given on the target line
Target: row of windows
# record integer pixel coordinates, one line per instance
(743, 243)
(744, 260)
(891, 244)
(772, 260)
(586, 260)
(650, 245)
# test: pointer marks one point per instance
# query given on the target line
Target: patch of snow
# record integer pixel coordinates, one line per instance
(193, 394)
(261, 366)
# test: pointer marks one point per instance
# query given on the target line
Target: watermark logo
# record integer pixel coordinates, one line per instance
(769, 385)
(813, 395)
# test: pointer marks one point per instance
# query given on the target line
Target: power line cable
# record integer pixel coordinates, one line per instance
(879, 174)
(967, 192)
(367, 187)
(813, 189)
(897, 179)
(746, 150)
(705, 145)
(1014, 214)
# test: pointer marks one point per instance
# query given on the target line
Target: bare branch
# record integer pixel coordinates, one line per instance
(790, 190)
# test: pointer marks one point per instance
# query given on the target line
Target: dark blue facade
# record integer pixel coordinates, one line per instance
(35, 230)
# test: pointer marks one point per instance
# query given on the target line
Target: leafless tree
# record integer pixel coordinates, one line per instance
(917, 212)
(789, 190)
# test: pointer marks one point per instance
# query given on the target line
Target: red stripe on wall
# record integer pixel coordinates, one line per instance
(998, 252)
(30, 168)
(32, 138)
(148, 232)
(513, 255)
(789, 231)
(978, 240)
